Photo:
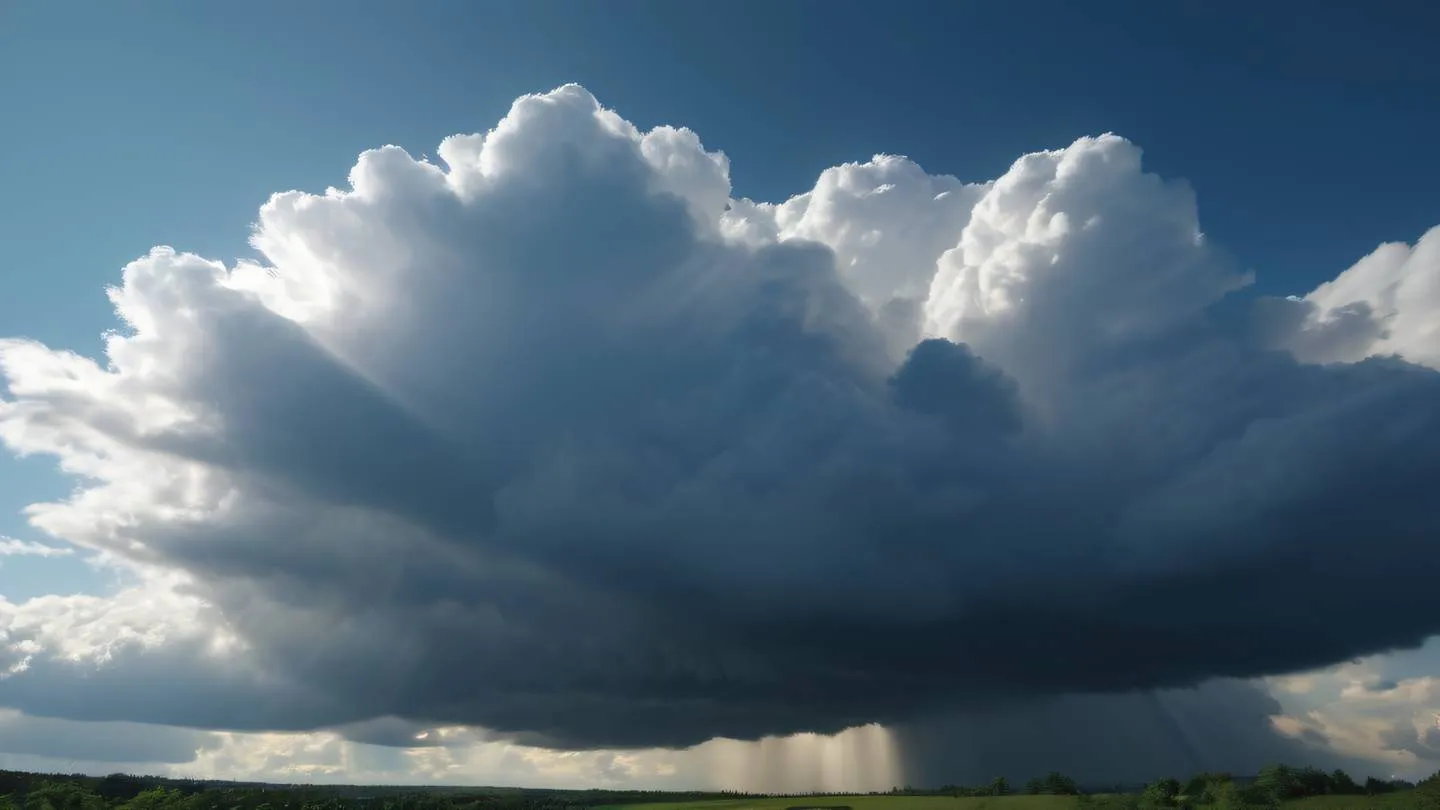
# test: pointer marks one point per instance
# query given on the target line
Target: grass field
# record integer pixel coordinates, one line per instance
(1392, 801)
(868, 803)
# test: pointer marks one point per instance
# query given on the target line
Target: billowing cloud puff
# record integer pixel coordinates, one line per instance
(1387, 303)
(1384, 709)
(560, 441)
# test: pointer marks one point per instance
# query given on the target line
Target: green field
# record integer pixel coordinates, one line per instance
(1405, 800)
(867, 803)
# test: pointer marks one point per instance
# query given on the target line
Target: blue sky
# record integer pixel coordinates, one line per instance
(1306, 129)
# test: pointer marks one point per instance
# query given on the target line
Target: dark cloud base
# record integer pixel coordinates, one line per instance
(1221, 727)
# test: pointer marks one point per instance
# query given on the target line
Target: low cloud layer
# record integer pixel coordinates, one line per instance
(99, 742)
(559, 440)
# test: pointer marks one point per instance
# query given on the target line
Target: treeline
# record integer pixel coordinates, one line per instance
(595, 798)
(1053, 784)
(1272, 787)
(24, 791)
(1218, 791)
(1214, 791)
(30, 791)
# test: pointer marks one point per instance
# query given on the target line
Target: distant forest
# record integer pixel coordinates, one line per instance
(1274, 787)
(34, 791)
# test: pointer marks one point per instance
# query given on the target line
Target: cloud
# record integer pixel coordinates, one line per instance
(560, 441)
(860, 759)
(1383, 709)
(10, 547)
(1220, 726)
(98, 742)
(1387, 303)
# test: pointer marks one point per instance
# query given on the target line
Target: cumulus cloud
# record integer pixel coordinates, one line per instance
(559, 440)
(860, 759)
(1387, 303)
(856, 760)
(1381, 709)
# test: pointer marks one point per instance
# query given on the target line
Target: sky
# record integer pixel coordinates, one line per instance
(1101, 333)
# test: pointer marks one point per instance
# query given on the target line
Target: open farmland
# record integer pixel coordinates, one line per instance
(1403, 800)
(865, 803)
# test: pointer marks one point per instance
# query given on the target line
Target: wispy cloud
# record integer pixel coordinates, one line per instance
(10, 547)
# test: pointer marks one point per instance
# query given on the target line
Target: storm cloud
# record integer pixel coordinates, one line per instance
(98, 742)
(1118, 738)
(559, 440)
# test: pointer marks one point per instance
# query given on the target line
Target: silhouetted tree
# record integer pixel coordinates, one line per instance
(1058, 784)
(1342, 784)
(1281, 781)
(1160, 793)
(1427, 793)
(1204, 788)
